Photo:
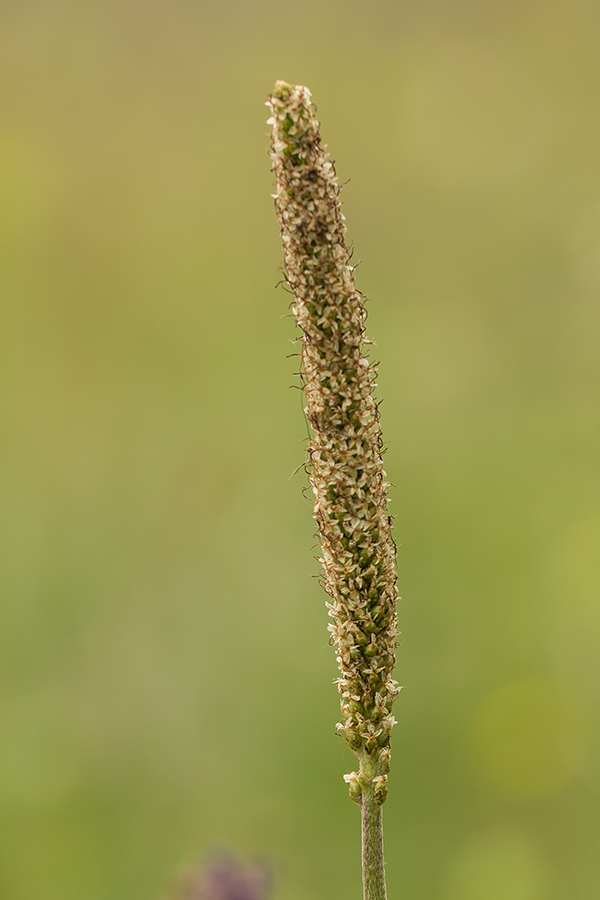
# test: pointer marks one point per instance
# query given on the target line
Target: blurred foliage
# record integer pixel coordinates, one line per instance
(166, 679)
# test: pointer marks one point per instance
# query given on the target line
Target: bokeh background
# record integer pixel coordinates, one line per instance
(166, 677)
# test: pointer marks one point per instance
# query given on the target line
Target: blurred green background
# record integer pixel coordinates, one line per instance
(166, 678)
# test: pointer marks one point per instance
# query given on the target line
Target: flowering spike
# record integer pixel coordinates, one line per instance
(345, 465)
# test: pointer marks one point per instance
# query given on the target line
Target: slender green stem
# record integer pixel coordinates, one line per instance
(373, 872)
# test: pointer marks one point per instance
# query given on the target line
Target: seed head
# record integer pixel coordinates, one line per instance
(345, 465)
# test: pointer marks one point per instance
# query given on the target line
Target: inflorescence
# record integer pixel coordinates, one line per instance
(345, 454)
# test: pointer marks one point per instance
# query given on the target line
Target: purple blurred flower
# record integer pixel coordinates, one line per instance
(228, 879)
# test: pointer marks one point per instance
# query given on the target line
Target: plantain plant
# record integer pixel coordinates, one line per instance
(345, 455)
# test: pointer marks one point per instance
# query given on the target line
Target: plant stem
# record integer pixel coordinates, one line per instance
(373, 872)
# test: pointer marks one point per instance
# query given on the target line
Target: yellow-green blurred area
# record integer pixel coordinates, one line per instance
(166, 674)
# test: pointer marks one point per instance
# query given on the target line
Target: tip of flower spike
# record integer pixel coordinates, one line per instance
(283, 90)
(288, 102)
(293, 122)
